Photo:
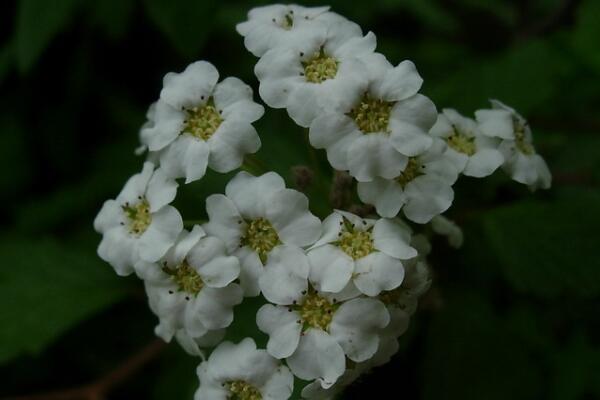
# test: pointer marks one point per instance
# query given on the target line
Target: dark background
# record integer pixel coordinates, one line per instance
(513, 314)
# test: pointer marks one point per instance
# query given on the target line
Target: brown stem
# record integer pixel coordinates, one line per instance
(99, 389)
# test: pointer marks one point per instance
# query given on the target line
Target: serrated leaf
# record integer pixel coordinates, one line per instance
(38, 22)
(549, 248)
(186, 23)
(47, 289)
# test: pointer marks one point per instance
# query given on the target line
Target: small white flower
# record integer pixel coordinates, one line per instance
(422, 190)
(314, 330)
(522, 162)
(472, 153)
(199, 122)
(324, 69)
(443, 226)
(139, 224)
(277, 25)
(243, 372)
(364, 251)
(191, 290)
(375, 132)
(255, 215)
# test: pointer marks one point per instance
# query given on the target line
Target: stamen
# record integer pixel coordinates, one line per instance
(320, 67)
(411, 171)
(315, 311)
(261, 237)
(186, 278)
(462, 142)
(138, 216)
(523, 144)
(202, 121)
(242, 390)
(356, 243)
(372, 115)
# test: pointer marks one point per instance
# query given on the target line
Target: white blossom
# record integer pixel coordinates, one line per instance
(422, 190)
(139, 224)
(365, 251)
(522, 162)
(198, 122)
(374, 133)
(278, 25)
(191, 289)
(443, 226)
(315, 331)
(472, 153)
(241, 371)
(255, 215)
(324, 69)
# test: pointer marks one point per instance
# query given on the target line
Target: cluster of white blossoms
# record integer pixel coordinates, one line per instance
(336, 292)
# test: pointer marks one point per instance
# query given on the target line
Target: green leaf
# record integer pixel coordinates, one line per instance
(472, 355)
(186, 23)
(47, 289)
(549, 248)
(586, 34)
(38, 22)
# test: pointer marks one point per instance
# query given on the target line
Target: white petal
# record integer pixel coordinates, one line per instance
(393, 237)
(483, 163)
(377, 272)
(185, 242)
(213, 307)
(119, 250)
(355, 325)
(331, 228)
(136, 185)
(228, 146)
(409, 139)
(168, 122)
(186, 157)
(108, 217)
(288, 212)
(285, 275)
(161, 234)
(330, 268)
(372, 155)
(250, 271)
(426, 198)
(279, 386)
(161, 190)
(304, 104)
(231, 90)
(496, 123)
(398, 83)
(386, 195)
(318, 356)
(187, 88)
(224, 220)
(247, 191)
(282, 327)
(417, 110)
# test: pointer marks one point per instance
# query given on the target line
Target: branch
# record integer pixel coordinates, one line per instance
(99, 389)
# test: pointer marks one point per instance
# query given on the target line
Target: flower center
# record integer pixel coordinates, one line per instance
(521, 141)
(320, 67)
(202, 121)
(462, 143)
(261, 237)
(354, 242)
(316, 311)
(186, 278)
(139, 216)
(372, 115)
(242, 390)
(411, 171)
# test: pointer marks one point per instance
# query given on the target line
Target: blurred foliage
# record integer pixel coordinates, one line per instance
(512, 314)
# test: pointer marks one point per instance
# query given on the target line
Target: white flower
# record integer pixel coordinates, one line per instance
(373, 133)
(324, 69)
(366, 251)
(255, 215)
(472, 153)
(241, 371)
(522, 162)
(191, 290)
(314, 330)
(422, 190)
(277, 25)
(199, 123)
(443, 226)
(139, 224)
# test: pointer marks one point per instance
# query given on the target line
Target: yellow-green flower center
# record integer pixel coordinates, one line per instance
(521, 141)
(202, 121)
(138, 215)
(354, 242)
(242, 390)
(186, 278)
(320, 67)
(462, 142)
(261, 237)
(411, 171)
(316, 311)
(372, 115)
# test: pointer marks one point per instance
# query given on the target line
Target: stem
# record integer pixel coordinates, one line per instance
(100, 388)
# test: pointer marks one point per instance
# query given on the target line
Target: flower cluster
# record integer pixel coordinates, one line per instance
(335, 292)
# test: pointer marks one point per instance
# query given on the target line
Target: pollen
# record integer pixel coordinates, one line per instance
(462, 142)
(320, 67)
(186, 278)
(372, 115)
(354, 242)
(411, 171)
(521, 141)
(261, 237)
(138, 215)
(316, 311)
(202, 121)
(242, 390)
